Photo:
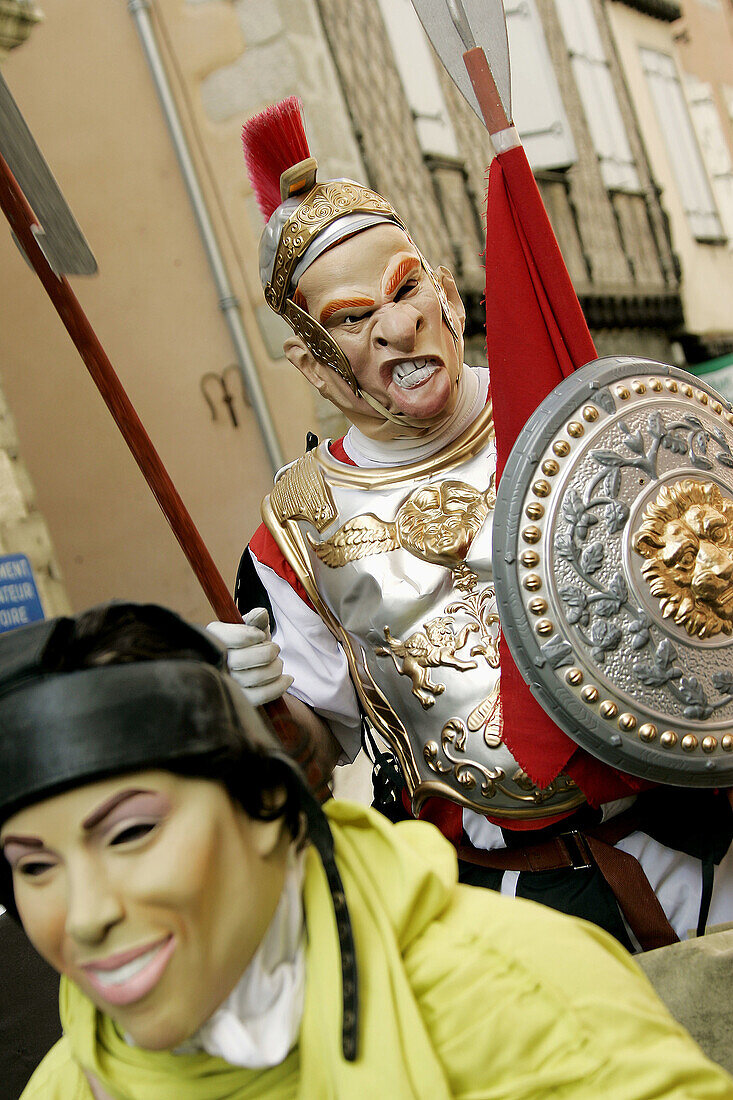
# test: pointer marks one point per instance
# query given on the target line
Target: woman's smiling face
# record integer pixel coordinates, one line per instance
(151, 891)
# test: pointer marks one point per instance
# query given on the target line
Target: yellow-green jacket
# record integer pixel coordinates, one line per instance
(463, 993)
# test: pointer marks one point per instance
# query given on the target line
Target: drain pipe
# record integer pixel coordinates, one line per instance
(228, 303)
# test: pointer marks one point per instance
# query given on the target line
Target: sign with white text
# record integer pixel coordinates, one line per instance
(20, 603)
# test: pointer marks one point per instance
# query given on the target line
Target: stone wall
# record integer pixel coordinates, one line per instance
(22, 527)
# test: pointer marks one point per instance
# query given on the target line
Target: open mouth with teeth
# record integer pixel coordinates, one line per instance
(412, 372)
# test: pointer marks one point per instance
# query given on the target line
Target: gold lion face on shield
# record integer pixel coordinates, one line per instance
(687, 538)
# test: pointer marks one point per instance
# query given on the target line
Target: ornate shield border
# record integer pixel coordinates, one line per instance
(642, 680)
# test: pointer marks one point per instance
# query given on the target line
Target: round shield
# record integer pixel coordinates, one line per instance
(613, 563)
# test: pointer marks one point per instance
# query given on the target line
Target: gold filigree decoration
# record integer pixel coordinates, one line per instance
(468, 773)
(558, 786)
(431, 647)
(478, 606)
(302, 493)
(322, 205)
(437, 523)
(487, 717)
(320, 342)
(687, 536)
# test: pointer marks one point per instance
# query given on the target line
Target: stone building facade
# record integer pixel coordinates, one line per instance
(337, 55)
(23, 529)
(677, 60)
(615, 242)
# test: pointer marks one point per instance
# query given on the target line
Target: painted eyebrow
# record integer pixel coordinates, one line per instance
(404, 268)
(107, 807)
(344, 303)
(23, 841)
(89, 823)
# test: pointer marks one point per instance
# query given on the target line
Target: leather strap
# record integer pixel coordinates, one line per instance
(592, 847)
(632, 890)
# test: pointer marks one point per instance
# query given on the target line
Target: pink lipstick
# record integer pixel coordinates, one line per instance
(129, 976)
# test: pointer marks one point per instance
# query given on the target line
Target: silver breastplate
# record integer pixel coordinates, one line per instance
(398, 564)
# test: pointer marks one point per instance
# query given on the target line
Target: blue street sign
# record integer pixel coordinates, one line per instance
(19, 599)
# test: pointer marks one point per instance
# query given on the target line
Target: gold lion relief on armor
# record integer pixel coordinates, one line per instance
(431, 647)
(687, 536)
(437, 523)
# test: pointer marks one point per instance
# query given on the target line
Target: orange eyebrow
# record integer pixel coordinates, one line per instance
(300, 300)
(343, 303)
(404, 268)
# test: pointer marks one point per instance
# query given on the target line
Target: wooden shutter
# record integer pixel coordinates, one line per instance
(537, 105)
(598, 94)
(416, 66)
(682, 147)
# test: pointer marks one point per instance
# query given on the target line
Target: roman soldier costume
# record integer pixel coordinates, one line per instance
(377, 562)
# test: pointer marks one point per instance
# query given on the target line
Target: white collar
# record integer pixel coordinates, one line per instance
(258, 1024)
(472, 394)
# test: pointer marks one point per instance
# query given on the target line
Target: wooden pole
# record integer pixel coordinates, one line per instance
(486, 91)
(22, 220)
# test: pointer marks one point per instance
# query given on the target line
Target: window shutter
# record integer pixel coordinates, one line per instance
(715, 152)
(416, 66)
(682, 148)
(537, 106)
(598, 94)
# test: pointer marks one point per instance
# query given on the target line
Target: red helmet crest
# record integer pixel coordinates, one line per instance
(274, 140)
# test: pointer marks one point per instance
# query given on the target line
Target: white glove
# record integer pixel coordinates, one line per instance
(252, 656)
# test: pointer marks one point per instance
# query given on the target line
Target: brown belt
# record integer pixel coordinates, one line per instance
(593, 847)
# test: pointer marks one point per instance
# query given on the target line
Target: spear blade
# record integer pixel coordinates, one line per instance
(457, 26)
(57, 234)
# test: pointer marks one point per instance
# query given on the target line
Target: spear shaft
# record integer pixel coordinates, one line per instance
(23, 221)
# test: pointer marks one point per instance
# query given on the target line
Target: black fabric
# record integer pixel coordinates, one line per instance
(249, 591)
(584, 894)
(583, 818)
(696, 822)
(319, 833)
(708, 881)
(61, 730)
(29, 1009)
(473, 875)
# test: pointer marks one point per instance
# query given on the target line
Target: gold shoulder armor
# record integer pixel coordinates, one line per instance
(302, 493)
